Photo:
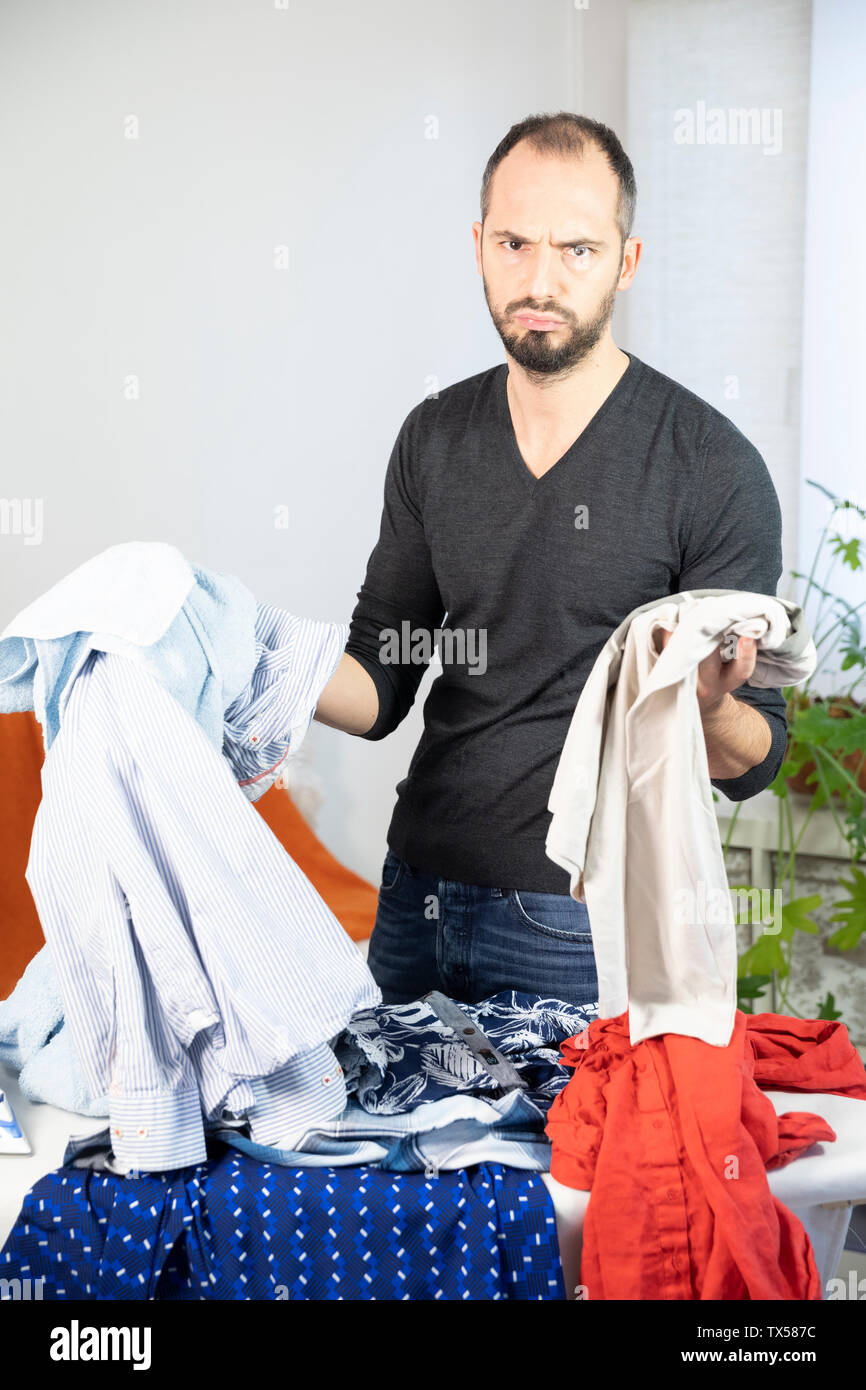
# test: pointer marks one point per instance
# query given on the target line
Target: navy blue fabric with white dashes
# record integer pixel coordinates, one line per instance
(236, 1228)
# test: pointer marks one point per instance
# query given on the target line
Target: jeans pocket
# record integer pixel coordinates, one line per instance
(392, 872)
(556, 915)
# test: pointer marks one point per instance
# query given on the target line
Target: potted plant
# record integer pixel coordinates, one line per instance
(826, 761)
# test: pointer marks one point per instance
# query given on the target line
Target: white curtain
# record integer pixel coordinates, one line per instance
(833, 441)
(718, 101)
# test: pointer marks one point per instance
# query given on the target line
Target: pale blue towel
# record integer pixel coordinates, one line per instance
(204, 652)
(34, 1042)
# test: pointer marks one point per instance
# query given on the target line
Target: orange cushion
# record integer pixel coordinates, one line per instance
(351, 898)
(21, 758)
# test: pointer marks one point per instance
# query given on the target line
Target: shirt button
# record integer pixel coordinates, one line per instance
(675, 1261)
(142, 1132)
(672, 1196)
(657, 1124)
(326, 1080)
(118, 1133)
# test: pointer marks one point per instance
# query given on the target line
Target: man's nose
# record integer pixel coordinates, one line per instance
(543, 277)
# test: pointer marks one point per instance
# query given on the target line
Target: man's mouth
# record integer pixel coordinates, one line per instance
(530, 320)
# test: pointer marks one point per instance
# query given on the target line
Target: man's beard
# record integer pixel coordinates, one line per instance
(534, 349)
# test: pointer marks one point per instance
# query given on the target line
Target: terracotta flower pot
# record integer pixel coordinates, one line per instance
(841, 707)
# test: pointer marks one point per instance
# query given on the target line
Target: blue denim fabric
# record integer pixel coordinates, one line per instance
(472, 942)
(507, 1130)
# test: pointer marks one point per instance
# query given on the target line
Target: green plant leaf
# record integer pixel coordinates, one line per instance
(849, 550)
(749, 988)
(855, 824)
(753, 906)
(849, 735)
(834, 776)
(763, 958)
(795, 916)
(753, 986)
(852, 647)
(852, 913)
(813, 725)
(827, 1008)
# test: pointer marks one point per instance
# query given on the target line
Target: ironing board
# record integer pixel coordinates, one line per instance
(821, 1186)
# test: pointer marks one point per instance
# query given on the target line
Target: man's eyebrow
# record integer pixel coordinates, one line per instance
(577, 241)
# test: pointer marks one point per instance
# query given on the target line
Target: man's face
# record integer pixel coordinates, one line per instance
(550, 246)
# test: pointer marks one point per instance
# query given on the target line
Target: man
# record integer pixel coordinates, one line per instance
(536, 504)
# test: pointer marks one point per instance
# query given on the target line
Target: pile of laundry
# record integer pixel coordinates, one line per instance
(196, 990)
(194, 984)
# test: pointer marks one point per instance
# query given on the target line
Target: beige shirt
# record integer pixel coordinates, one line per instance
(633, 817)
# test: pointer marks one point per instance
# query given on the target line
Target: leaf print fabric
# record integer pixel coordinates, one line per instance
(396, 1056)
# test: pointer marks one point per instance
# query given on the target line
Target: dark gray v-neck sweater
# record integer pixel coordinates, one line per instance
(658, 494)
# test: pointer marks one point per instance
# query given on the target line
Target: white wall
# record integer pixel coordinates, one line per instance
(154, 257)
(306, 127)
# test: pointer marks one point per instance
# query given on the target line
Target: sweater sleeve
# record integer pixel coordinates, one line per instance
(735, 542)
(399, 588)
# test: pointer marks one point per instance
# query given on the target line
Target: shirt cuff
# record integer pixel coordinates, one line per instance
(307, 1091)
(155, 1132)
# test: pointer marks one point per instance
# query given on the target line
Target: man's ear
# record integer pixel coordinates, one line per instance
(630, 258)
(477, 230)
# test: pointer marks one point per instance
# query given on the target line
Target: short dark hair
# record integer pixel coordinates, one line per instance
(564, 133)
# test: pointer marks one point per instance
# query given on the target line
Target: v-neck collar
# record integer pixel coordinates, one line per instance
(613, 396)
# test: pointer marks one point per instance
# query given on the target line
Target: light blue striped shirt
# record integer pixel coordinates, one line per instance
(295, 659)
(201, 972)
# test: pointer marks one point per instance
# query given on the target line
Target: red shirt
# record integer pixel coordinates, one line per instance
(674, 1138)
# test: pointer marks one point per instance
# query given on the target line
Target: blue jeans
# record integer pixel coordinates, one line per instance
(471, 942)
